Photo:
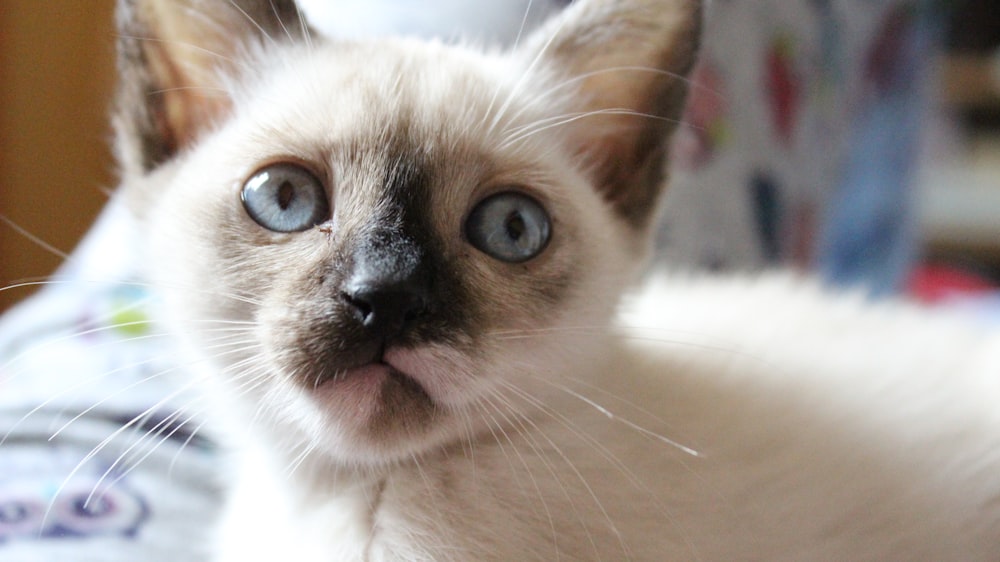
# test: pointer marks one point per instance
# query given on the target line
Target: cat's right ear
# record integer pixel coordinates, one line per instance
(176, 59)
(629, 61)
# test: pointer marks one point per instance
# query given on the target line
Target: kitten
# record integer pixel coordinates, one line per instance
(427, 245)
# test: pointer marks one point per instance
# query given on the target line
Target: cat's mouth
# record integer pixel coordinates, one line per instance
(374, 374)
(377, 372)
(375, 394)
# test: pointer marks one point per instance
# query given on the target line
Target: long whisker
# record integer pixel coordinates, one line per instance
(546, 463)
(548, 93)
(191, 436)
(612, 416)
(35, 239)
(604, 452)
(525, 77)
(568, 461)
(133, 385)
(167, 423)
(524, 24)
(108, 440)
(254, 22)
(131, 283)
(186, 45)
(573, 117)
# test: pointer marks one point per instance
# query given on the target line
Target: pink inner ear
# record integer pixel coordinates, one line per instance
(171, 55)
(626, 147)
(184, 96)
(635, 55)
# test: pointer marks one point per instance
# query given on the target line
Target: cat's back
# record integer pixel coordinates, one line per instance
(827, 426)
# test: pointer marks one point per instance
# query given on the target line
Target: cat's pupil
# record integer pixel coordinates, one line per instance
(515, 225)
(286, 194)
(509, 226)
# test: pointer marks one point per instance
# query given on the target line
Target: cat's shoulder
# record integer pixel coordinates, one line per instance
(781, 338)
(759, 310)
(805, 400)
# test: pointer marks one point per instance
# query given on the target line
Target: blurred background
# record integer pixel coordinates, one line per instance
(56, 79)
(56, 71)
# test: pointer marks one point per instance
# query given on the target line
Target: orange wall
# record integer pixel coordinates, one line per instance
(56, 60)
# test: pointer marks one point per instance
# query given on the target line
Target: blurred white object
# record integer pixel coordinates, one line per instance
(492, 21)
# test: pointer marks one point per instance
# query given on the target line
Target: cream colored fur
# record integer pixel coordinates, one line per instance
(731, 419)
(827, 429)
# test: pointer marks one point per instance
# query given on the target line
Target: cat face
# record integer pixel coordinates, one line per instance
(415, 235)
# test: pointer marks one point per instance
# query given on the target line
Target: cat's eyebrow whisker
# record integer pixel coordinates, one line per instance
(575, 80)
(524, 25)
(303, 25)
(525, 77)
(520, 134)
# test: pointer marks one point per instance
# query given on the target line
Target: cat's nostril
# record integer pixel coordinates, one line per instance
(362, 308)
(388, 287)
(386, 311)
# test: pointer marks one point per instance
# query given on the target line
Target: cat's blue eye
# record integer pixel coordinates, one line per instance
(509, 226)
(285, 198)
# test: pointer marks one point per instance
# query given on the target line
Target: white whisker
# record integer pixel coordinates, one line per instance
(35, 239)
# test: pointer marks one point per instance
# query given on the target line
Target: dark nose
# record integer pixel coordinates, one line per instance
(386, 310)
(389, 285)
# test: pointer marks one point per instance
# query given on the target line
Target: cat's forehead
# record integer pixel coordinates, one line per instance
(395, 97)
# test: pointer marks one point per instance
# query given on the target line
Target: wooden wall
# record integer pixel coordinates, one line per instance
(56, 60)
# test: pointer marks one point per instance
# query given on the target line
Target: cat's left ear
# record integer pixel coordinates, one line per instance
(629, 60)
(174, 58)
